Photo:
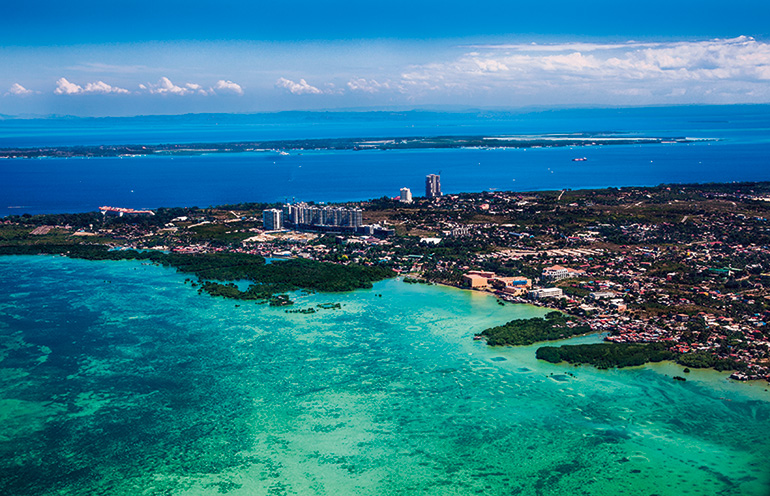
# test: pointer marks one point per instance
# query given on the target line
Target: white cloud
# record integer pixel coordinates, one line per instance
(166, 87)
(691, 70)
(196, 88)
(301, 88)
(367, 85)
(18, 90)
(228, 86)
(102, 87)
(64, 87)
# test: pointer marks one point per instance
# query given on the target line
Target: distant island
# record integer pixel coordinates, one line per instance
(388, 143)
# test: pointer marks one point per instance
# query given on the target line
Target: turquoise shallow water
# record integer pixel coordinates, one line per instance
(117, 378)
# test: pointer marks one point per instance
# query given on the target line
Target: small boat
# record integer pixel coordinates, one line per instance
(579, 159)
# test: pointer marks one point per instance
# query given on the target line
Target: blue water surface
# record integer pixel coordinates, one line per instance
(51, 185)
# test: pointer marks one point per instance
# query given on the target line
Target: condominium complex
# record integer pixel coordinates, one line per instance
(272, 219)
(302, 214)
(432, 186)
(406, 195)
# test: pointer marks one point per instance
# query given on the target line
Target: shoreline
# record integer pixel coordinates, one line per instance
(364, 200)
(565, 341)
(283, 147)
(645, 322)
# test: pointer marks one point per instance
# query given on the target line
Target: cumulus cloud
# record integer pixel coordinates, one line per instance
(367, 85)
(164, 86)
(18, 90)
(64, 87)
(228, 86)
(104, 88)
(196, 88)
(738, 66)
(300, 88)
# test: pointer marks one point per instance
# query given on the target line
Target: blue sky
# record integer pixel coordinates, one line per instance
(110, 58)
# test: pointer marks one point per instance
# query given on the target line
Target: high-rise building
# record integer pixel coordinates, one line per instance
(302, 214)
(271, 219)
(356, 217)
(432, 186)
(406, 195)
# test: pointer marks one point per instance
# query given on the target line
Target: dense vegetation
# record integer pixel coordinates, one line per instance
(606, 355)
(291, 275)
(268, 280)
(555, 325)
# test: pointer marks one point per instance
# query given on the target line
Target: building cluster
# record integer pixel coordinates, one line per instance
(303, 215)
(557, 273)
(432, 189)
(489, 281)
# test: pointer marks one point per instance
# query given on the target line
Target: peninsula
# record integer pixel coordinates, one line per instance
(683, 268)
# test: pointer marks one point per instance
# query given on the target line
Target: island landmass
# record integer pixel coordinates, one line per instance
(284, 147)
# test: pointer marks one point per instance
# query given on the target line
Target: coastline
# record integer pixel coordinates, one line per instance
(710, 374)
(284, 147)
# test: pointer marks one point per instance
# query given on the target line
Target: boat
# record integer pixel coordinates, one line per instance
(579, 159)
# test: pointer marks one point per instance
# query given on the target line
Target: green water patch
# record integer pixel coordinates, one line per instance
(151, 388)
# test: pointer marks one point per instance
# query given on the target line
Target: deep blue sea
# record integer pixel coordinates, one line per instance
(742, 153)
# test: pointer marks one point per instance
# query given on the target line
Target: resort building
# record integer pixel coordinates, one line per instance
(515, 286)
(557, 273)
(482, 280)
(474, 281)
(406, 195)
(432, 186)
(537, 294)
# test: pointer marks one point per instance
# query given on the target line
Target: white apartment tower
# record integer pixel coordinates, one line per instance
(271, 219)
(406, 195)
(432, 186)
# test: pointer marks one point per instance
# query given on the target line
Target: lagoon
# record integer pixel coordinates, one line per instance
(118, 378)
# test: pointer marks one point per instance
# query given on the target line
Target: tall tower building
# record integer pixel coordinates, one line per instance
(406, 195)
(432, 186)
(271, 218)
